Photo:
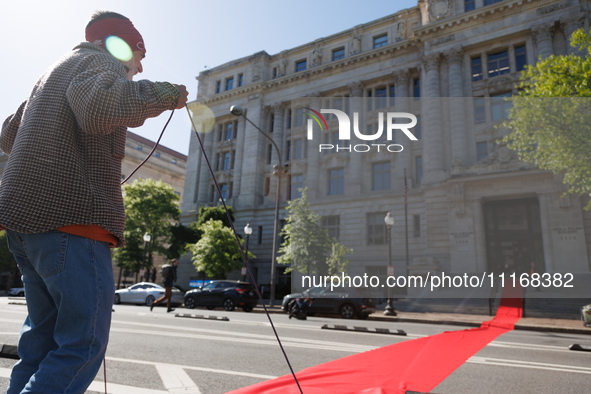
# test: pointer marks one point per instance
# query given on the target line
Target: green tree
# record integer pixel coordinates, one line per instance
(306, 246)
(217, 252)
(551, 117)
(7, 261)
(215, 213)
(150, 207)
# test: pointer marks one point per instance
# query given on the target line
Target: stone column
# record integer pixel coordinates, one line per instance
(241, 126)
(253, 161)
(459, 139)
(312, 178)
(433, 132)
(404, 158)
(570, 24)
(277, 109)
(542, 35)
(354, 174)
(204, 174)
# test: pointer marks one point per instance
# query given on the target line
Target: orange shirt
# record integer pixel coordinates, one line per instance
(88, 231)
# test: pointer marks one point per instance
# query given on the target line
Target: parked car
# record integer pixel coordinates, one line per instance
(343, 302)
(16, 291)
(223, 293)
(145, 293)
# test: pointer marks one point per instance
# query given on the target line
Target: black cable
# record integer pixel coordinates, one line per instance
(153, 150)
(247, 265)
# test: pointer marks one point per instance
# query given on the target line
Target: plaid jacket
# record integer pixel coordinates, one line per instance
(67, 141)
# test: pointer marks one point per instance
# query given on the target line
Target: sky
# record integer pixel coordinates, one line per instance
(182, 37)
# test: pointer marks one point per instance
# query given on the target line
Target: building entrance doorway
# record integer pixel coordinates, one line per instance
(514, 236)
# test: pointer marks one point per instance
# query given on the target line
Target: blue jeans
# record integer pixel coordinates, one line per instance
(69, 289)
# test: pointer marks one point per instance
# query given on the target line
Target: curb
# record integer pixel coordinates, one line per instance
(191, 316)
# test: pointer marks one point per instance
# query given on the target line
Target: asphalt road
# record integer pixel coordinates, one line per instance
(151, 353)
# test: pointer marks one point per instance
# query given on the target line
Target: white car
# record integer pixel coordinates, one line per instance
(145, 293)
(16, 291)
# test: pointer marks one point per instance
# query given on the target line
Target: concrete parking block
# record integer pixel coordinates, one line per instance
(363, 329)
(191, 316)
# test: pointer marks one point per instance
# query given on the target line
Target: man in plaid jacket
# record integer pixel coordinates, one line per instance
(61, 203)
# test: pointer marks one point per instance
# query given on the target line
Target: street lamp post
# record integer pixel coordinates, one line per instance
(247, 232)
(237, 110)
(389, 220)
(147, 239)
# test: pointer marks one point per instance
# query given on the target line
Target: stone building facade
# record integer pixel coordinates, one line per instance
(472, 205)
(165, 165)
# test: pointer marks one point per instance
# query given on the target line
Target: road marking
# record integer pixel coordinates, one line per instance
(176, 380)
(529, 346)
(270, 342)
(235, 334)
(201, 369)
(529, 364)
(113, 388)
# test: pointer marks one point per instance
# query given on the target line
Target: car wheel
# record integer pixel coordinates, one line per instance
(149, 300)
(347, 311)
(21, 294)
(247, 308)
(229, 304)
(210, 307)
(117, 299)
(190, 303)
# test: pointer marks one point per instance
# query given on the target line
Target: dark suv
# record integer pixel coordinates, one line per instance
(342, 301)
(223, 293)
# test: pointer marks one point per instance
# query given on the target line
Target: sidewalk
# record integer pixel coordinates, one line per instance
(467, 320)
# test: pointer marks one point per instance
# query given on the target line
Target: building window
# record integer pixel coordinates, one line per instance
(332, 225)
(489, 2)
(173, 161)
(274, 75)
(301, 65)
(500, 106)
(271, 123)
(224, 190)
(226, 161)
(469, 5)
(297, 183)
(481, 150)
(479, 114)
(269, 153)
(338, 54)
(267, 188)
(520, 58)
(177, 193)
(157, 154)
(498, 64)
(338, 104)
(240, 79)
(212, 193)
(218, 86)
(416, 228)
(217, 162)
(122, 175)
(230, 83)
(288, 151)
(419, 168)
(369, 99)
(298, 149)
(416, 88)
(381, 98)
(333, 139)
(299, 117)
(289, 119)
(229, 132)
(139, 147)
(476, 68)
(376, 229)
(381, 176)
(259, 235)
(392, 95)
(380, 41)
(336, 182)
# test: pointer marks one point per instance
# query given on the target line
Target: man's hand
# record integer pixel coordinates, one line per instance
(184, 95)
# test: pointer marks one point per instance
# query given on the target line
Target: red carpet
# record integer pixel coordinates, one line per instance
(415, 365)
